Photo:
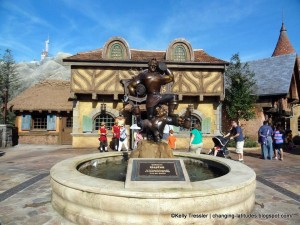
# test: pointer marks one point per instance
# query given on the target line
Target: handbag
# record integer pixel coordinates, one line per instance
(122, 139)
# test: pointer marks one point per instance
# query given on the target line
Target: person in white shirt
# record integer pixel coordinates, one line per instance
(166, 131)
(123, 138)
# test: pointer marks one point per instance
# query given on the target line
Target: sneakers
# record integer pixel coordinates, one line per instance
(276, 158)
(241, 160)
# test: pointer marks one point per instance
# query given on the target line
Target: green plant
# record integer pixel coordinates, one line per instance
(249, 143)
(240, 90)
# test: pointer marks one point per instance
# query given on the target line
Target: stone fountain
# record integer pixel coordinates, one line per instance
(85, 199)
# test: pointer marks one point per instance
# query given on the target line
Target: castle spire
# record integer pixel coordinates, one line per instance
(283, 46)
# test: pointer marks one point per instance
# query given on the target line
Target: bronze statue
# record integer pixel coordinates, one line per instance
(151, 81)
(146, 86)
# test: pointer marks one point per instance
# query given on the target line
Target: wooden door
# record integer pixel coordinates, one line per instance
(67, 125)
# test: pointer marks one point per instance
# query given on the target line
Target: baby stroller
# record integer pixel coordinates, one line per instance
(220, 146)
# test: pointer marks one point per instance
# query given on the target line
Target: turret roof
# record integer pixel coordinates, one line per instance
(283, 46)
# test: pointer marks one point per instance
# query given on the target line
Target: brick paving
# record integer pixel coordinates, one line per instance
(30, 165)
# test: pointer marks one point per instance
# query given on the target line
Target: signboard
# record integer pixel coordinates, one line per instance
(156, 173)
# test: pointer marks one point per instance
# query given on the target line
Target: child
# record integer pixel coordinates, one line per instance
(138, 137)
(172, 140)
(214, 150)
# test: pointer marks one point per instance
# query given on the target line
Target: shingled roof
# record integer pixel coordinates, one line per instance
(143, 55)
(273, 75)
(47, 95)
(283, 45)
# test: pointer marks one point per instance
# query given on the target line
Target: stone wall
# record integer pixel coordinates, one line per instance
(47, 139)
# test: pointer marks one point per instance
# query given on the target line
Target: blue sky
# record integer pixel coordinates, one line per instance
(220, 27)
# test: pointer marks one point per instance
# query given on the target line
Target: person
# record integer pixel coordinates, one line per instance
(171, 140)
(137, 138)
(103, 138)
(214, 150)
(116, 135)
(123, 138)
(166, 131)
(265, 134)
(151, 81)
(236, 133)
(278, 142)
(196, 142)
(137, 134)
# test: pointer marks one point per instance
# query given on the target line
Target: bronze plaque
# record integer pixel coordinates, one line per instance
(157, 170)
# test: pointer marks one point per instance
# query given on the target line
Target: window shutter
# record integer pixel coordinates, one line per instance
(26, 122)
(51, 122)
(87, 124)
(206, 125)
(176, 129)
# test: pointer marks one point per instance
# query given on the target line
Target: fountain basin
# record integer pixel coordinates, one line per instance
(88, 200)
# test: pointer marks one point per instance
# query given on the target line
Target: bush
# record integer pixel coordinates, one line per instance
(296, 140)
(249, 143)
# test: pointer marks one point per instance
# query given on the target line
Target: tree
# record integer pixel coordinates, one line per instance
(239, 90)
(9, 83)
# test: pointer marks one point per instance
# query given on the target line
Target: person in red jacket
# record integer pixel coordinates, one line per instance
(103, 138)
(116, 135)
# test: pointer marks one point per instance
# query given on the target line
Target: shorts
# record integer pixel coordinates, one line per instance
(239, 146)
(278, 146)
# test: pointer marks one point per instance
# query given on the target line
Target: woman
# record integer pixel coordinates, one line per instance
(278, 142)
(196, 142)
(123, 138)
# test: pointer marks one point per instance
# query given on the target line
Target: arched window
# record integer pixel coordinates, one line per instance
(194, 120)
(179, 53)
(116, 51)
(299, 123)
(107, 118)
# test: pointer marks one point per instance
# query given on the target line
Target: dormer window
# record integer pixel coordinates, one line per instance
(116, 48)
(179, 54)
(180, 50)
(116, 51)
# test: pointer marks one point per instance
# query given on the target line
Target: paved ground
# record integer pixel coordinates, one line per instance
(25, 192)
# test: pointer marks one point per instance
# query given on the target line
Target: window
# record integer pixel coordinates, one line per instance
(39, 122)
(116, 51)
(299, 123)
(179, 53)
(69, 122)
(108, 119)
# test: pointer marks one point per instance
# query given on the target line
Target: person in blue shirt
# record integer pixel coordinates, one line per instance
(265, 134)
(236, 133)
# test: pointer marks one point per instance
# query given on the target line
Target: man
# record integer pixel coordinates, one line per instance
(116, 135)
(236, 133)
(265, 133)
(103, 138)
(152, 80)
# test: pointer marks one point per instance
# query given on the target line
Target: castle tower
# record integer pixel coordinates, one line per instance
(45, 52)
(283, 46)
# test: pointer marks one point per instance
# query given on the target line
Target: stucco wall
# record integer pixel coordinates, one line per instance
(294, 120)
(81, 140)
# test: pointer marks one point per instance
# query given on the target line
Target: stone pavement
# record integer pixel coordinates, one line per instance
(25, 192)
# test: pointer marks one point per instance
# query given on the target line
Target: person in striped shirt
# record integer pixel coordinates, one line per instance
(278, 138)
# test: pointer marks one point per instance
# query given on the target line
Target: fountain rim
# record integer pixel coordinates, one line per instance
(66, 173)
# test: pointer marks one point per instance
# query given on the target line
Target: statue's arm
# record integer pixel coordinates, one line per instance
(132, 86)
(168, 77)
